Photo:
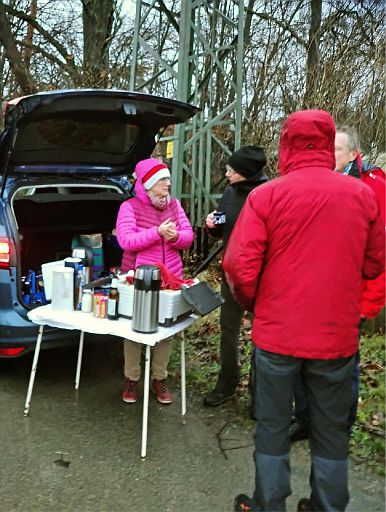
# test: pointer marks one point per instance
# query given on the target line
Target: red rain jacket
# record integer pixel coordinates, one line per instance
(373, 296)
(301, 246)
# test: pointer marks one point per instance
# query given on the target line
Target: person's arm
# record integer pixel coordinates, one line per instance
(246, 249)
(373, 297)
(130, 237)
(373, 292)
(184, 230)
(374, 258)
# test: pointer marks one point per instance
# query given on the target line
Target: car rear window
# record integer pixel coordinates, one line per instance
(112, 136)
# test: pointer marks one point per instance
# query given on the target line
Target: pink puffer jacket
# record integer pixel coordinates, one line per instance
(137, 229)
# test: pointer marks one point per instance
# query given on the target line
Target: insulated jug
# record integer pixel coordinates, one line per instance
(63, 289)
(147, 284)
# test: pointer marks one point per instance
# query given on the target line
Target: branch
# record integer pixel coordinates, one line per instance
(374, 430)
(49, 56)
(169, 16)
(284, 26)
(15, 58)
(58, 46)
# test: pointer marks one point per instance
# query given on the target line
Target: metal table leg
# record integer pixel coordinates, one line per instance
(79, 363)
(33, 371)
(145, 402)
(183, 377)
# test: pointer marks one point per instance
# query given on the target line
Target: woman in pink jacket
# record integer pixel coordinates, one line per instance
(151, 228)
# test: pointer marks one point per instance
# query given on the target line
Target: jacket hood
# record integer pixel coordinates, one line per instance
(307, 139)
(141, 170)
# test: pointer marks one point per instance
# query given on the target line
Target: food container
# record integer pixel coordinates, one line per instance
(100, 305)
(87, 301)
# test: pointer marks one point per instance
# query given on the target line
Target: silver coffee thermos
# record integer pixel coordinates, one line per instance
(147, 284)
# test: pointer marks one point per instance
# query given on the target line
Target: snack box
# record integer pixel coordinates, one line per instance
(172, 306)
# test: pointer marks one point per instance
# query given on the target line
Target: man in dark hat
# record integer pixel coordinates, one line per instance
(244, 171)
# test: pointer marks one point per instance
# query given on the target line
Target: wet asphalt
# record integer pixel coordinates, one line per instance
(80, 449)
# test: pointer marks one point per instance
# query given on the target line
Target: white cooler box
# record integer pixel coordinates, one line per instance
(172, 306)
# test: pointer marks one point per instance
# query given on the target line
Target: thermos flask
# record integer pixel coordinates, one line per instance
(147, 284)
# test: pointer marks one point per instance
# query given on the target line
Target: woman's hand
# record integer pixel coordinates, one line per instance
(171, 235)
(209, 221)
(167, 229)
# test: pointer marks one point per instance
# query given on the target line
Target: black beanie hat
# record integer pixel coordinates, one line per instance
(248, 161)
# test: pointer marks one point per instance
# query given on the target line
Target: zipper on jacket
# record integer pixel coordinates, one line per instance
(163, 250)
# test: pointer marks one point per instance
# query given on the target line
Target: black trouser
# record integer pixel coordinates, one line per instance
(301, 410)
(230, 321)
(328, 388)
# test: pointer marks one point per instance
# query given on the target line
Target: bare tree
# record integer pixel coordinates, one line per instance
(98, 18)
(326, 54)
(29, 35)
(301, 56)
(313, 54)
(52, 42)
(22, 75)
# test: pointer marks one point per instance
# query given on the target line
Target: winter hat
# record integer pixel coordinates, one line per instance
(156, 172)
(248, 161)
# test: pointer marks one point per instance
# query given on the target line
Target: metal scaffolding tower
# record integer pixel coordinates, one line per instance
(193, 51)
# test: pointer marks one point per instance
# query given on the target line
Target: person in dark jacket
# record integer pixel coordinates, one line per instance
(296, 258)
(245, 171)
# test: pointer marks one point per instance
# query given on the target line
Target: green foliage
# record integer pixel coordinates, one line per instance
(202, 353)
(368, 440)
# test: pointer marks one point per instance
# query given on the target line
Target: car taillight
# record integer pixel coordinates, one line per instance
(5, 253)
(11, 352)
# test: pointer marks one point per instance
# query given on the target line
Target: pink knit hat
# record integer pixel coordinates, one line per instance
(154, 174)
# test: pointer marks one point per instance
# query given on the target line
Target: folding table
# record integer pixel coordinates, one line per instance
(86, 322)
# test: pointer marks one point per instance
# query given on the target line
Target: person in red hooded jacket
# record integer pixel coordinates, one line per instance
(296, 258)
(348, 162)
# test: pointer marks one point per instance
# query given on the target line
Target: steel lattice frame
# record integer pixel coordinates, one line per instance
(190, 51)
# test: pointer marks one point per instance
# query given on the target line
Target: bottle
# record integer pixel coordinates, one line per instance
(113, 301)
(78, 288)
(87, 301)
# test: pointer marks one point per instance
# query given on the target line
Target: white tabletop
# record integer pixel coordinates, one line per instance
(86, 322)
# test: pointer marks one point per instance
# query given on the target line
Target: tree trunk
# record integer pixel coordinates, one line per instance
(313, 55)
(19, 69)
(98, 18)
(29, 36)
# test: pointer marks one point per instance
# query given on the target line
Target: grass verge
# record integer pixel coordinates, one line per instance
(368, 441)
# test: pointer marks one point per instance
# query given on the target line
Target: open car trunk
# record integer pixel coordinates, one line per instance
(52, 220)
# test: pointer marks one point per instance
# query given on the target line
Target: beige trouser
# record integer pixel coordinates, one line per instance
(159, 359)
